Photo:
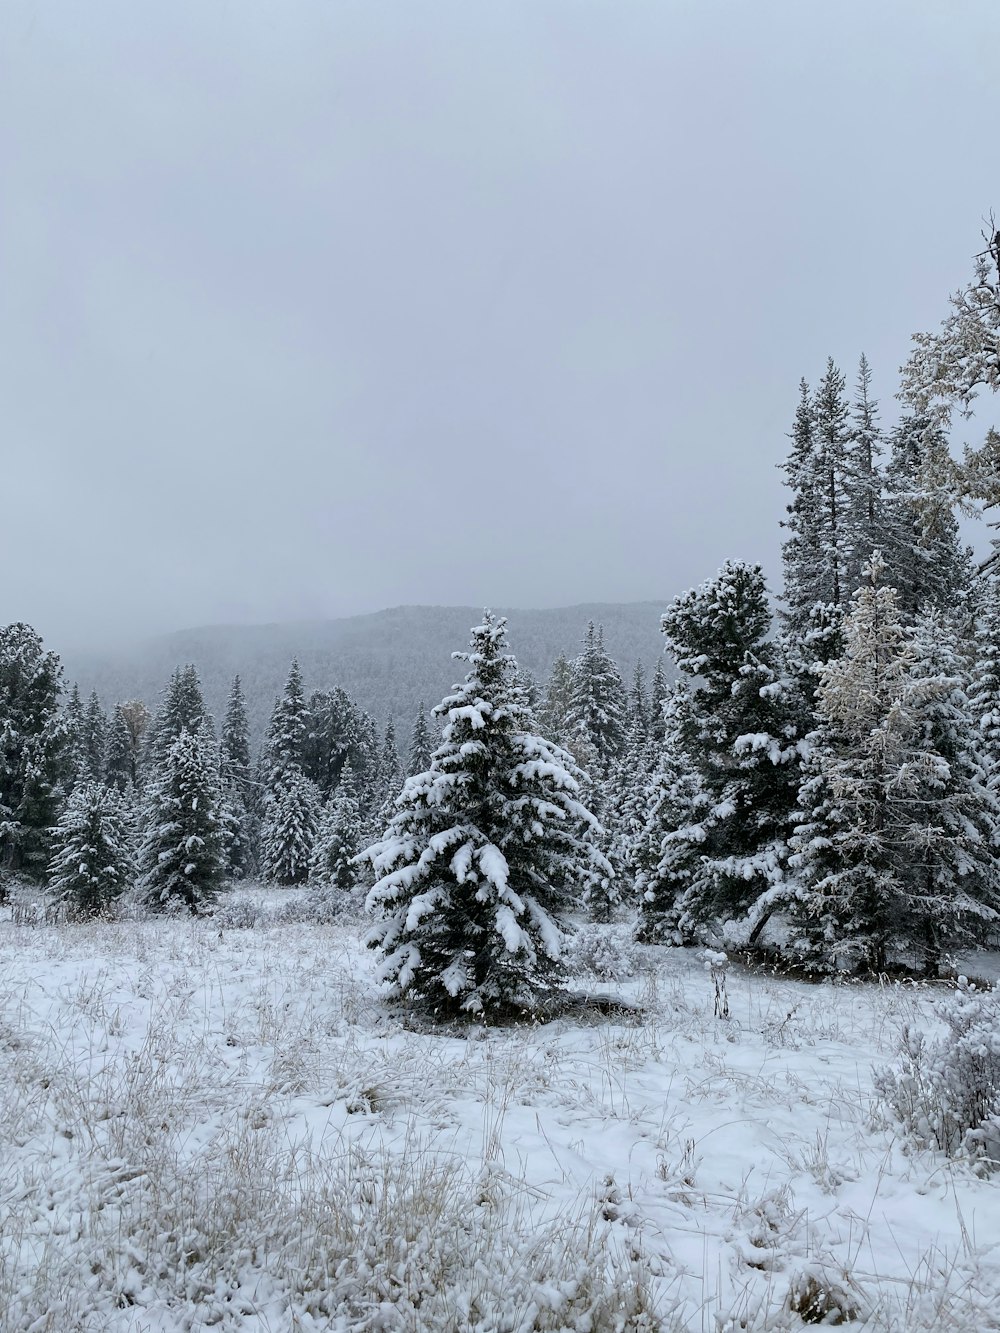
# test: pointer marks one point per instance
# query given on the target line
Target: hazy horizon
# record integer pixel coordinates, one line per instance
(317, 310)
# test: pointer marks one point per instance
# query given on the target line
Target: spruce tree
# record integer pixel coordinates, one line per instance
(291, 821)
(33, 745)
(288, 730)
(75, 757)
(922, 544)
(339, 839)
(234, 745)
(596, 719)
(658, 693)
(864, 516)
(92, 861)
(95, 738)
(181, 861)
(984, 693)
(554, 708)
(119, 771)
(183, 709)
(421, 744)
(485, 854)
(735, 723)
(390, 767)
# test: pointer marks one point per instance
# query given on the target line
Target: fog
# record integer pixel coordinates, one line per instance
(312, 308)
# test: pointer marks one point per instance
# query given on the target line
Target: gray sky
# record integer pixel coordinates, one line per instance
(313, 307)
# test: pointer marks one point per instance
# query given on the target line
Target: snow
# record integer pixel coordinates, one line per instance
(231, 1129)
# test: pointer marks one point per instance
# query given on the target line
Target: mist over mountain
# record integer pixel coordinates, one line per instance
(387, 661)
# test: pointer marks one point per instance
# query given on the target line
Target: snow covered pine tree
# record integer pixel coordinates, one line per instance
(486, 851)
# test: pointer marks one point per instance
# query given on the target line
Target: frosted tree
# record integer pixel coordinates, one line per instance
(119, 770)
(984, 693)
(486, 852)
(339, 839)
(33, 745)
(421, 744)
(95, 738)
(554, 708)
(183, 709)
(288, 730)
(922, 544)
(950, 887)
(290, 824)
(181, 860)
(390, 768)
(638, 704)
(865, 483)
(897, 845)
(668, 848)
(76, 766)
(597, 716)
(659, 689)
(736, 728)
(92, 862)
(234, 743)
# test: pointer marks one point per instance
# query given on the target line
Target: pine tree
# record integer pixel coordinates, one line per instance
(183, 709)
(234, 745)
(984, 693)
(596, 718)
(339, 839)
(95, 742)
(922, 544)
(667, 852)
(92, 861)
(33, 745)
(658, 693)
(638, 704)
(75, 758)
(484, 855)
(390, 767)
(897, 846)
(864, 515)
(288, 730)
(290, 824)
(735, 724)
(421, 744)
(181, 858)
(554, 709)
(119, 770)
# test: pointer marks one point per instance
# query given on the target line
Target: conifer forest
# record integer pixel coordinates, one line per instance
(608, 965)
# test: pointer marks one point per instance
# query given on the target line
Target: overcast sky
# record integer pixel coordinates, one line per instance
(313, 307)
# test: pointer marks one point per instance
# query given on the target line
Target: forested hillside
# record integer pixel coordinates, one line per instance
(387, 662)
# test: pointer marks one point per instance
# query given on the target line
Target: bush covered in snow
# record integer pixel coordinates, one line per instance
(946, 1089)
(606, 952)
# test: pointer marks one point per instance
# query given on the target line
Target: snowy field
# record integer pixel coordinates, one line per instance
(205, 1130)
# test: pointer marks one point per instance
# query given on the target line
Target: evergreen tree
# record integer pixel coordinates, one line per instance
(735, 724)
(33, 744)
(984, 693)
(666, 856)
(922, 545)
(291, 820)
(181, 859)
(95, 739)
(596, 719)
(234, 745)
(865, 484)
(638, 704)
(485, 853)
(421, 744)
(183, 709)
(289, 729)
(390, 767)
(897, 846)
(119, 771)
(658, 693)
(554, 709)
(339, 839)
(92, 861)
(75, 758)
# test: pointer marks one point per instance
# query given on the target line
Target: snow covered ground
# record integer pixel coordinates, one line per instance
(230, 1131)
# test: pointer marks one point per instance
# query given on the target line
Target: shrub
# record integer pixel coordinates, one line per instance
(946, 1090)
